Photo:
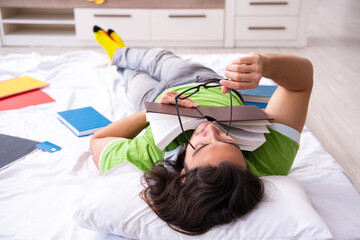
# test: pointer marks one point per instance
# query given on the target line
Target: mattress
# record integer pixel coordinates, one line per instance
(39, 192)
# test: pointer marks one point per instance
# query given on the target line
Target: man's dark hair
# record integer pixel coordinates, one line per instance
(207, 196)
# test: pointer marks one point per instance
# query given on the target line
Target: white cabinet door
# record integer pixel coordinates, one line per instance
(267, 7)
(266, 28)
(187, 25)
(130, 24)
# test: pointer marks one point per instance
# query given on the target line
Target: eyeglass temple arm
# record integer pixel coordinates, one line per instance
(228, 130)
(179, 118)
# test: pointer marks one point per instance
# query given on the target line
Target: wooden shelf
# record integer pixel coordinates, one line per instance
(42, 32)
(43, 35)
(37, 26)
(44, 18)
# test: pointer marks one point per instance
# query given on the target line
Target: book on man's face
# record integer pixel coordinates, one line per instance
(83, 121)
(247, 128)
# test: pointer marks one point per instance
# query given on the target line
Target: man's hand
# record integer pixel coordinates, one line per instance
(169, 98)
(244, 73)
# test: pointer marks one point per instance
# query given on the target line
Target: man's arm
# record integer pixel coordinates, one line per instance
(293, 74)
(128, 127)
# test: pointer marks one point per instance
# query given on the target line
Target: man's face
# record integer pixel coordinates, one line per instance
(212, 147)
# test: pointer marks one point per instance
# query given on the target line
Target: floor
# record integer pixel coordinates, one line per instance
(334, 49)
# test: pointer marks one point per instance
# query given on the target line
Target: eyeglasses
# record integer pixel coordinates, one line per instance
(191, 91)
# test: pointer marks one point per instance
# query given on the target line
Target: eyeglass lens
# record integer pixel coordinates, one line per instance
(192, 91)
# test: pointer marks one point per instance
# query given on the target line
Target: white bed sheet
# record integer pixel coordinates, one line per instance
(38, 194)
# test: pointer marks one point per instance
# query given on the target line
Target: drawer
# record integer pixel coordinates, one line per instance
(267, 7)
(266, 28)
(187, 25)
(130, 24)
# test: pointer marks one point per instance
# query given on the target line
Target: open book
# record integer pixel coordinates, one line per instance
(247, 128)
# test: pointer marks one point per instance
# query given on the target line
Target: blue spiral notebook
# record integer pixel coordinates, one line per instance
(83, 121)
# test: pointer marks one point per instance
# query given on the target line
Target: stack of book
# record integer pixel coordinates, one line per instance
(247, 128)
(259, 96)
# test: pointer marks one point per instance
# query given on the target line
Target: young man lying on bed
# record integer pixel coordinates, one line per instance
(211, 181)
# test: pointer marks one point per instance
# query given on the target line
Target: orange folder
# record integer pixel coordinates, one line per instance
(19, 85)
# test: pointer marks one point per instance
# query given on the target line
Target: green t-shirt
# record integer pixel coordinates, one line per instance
(274, 157)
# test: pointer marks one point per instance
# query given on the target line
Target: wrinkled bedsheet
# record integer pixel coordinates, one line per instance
(38, 193)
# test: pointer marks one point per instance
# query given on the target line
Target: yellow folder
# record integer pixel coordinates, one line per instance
(19, 85)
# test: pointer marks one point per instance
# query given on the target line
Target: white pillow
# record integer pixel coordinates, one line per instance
(113, 206)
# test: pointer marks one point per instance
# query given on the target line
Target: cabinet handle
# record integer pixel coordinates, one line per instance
(187, 16)
(268, 3)
(113, 15)
(267, 28)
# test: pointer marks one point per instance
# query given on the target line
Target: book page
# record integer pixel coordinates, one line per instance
(249, 128)
(250, 123)
(244, 137)
(166, 129)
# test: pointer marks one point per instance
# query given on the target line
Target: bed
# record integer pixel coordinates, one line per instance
(59, 195)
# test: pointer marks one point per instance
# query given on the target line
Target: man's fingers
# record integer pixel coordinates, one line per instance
(224, 89)
(188, 103)
(243, 77)
(169, 98)
(238, 85)
(244, 60)
(191, 104)
(244, 68)
(243, 72)
(171, 93)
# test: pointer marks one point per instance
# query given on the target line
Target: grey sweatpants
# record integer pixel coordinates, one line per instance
(150, 72)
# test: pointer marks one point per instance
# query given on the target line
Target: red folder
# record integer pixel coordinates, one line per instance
(26, 99)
